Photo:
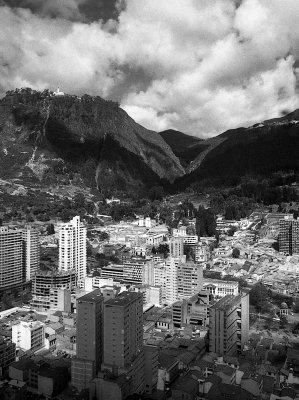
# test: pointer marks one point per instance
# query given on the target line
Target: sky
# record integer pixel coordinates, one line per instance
(197, 66)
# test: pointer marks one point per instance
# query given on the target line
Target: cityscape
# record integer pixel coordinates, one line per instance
(149, 200)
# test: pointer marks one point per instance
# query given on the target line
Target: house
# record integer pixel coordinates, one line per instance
(185, 388)
(252, 383)
(226, 373)
(168, 370)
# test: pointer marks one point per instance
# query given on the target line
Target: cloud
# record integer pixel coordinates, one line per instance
(194, 65)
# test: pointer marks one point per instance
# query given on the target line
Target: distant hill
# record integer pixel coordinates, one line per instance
(185, 147)
(262, 149)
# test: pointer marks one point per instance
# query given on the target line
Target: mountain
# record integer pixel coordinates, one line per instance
(47, 137)
(261, 149)
(185, 147)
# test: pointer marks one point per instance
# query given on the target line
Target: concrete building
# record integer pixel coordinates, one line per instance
(229, 324)
(113, 271)
(72, 248)
(193, 311)
(31, 253)
(11, 257)
(133, 271)
(219, 288)
(202, 252)
(89, 339)
(29, 335)
(176, 247)
(171, 270)
(288, 238)
(151, 365)
(123, 341)
(7, 354)
(189, 279)
(52, 290)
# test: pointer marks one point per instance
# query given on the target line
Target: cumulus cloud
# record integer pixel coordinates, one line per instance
(194, 65)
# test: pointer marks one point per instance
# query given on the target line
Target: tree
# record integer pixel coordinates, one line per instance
(163, 248)
(156, 193)
(205, 222)
(258, 294)
(236, 252)
(50, 229)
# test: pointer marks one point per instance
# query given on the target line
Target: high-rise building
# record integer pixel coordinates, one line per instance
(123, 338)
(171, 290)
(229, 324)
(11, 257)
(189, 279)
(176, 247)
(89, 339)
(31, 253)
(288, 238)
(72, 248)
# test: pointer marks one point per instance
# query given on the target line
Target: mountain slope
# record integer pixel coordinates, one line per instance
(42, 135)
(262, 149)
(185, 147)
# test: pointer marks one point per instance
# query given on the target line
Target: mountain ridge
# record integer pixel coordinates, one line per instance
(75, 130)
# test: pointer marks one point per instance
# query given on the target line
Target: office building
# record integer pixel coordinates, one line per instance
(193, 311)
(288, 238)
(28, 335)
(189, 279)
(123, 344)
(229, 324)
(31, 253)
(89, 339)
(171, 289)
(11, 258)
(176, 247)
(72, 248)
(133, 272)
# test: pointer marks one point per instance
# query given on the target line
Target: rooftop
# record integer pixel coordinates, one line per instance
(123, 299)
(94, 296)
(226, 302)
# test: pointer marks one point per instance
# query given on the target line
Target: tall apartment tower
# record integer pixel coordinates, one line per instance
(171, 287)
(176, 247)
(288, 238)
(11, 257)
(89, 339)
(123, 338)
(229, 324)
(72, 248)
(189, 279)
(31, 253)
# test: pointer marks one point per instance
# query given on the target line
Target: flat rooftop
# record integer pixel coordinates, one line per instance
(226, 302)
(124, 299)
(94, 296)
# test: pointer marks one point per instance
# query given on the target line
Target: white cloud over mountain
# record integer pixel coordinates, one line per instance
(199, 66)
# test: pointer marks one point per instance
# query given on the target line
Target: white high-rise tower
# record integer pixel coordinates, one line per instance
(72, 248)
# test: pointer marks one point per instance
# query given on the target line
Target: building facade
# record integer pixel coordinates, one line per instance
(28, 335)
(123, 338)
(11, 257)
(288, 238)
(229, 324)
(89, 339)
(72, 248)
(31, 253)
